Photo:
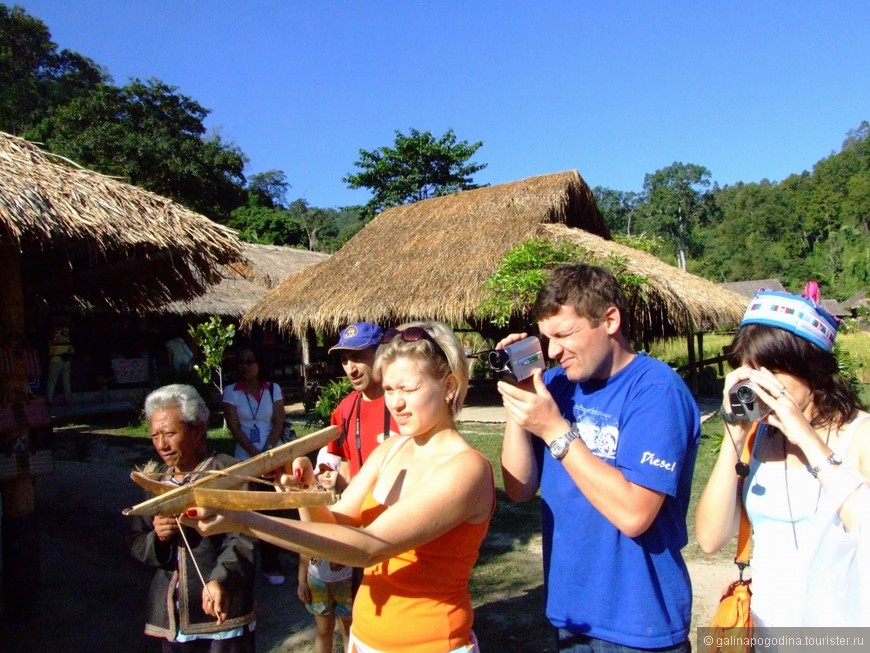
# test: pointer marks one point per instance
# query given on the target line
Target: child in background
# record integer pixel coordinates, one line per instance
(325, 587)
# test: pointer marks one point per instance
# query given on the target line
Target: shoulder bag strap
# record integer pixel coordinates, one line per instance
(742, 557)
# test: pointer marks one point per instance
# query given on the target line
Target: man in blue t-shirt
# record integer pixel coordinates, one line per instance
(610, 437)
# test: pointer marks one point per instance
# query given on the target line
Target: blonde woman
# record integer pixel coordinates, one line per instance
(415, 515)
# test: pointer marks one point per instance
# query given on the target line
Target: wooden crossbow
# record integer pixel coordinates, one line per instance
(215, 488)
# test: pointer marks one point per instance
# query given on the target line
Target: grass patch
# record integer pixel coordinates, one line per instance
(858, 346)
(675, 352)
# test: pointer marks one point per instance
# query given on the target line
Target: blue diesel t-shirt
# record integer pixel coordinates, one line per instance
(632, 591)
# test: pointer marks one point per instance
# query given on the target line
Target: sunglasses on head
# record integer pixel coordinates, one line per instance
(412, 334)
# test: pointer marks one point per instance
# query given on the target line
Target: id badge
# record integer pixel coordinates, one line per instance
(254, 436)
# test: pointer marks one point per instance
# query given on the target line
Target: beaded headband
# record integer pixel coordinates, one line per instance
(795, 314)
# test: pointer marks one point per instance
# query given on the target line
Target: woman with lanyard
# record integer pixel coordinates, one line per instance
(254, 412)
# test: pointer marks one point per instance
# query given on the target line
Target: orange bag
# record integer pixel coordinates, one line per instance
(731, 627)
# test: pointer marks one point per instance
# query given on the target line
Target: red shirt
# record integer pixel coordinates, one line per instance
(370, 419)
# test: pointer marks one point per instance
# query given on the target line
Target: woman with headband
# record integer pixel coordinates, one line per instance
(806, 481)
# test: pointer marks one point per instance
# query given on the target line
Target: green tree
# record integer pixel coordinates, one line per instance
(752, 237)
(34, 77)
(151, 136)
(316, 223)
(674, 204)
(270, 186)
(511, 290)
(618, 208)
(417, 167)
(266, 225)
(213, 339)
(348, 222)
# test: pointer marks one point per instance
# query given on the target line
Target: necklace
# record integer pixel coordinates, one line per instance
(787, 495)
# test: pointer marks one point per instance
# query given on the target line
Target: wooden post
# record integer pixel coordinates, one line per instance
(306, 349)
(693, 368)
(20, 537)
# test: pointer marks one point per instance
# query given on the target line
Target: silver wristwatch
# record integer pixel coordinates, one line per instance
(559, 446)
(831, 460)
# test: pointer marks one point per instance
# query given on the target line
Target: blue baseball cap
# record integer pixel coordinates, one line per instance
(359, 335)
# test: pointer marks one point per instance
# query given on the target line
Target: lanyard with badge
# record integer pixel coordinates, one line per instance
(254, 435)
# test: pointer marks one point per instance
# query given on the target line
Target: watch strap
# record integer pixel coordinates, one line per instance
(567, 438)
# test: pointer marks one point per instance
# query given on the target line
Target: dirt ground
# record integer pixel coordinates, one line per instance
(92, 593)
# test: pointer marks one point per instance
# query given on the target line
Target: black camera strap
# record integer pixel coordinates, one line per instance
(357, 408)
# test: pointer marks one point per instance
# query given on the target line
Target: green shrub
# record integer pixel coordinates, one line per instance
(330, 396)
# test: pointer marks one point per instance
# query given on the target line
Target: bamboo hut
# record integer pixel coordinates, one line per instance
(72, 237)
(244, 283)
(82, 237)
(749, 288)
(430, 260)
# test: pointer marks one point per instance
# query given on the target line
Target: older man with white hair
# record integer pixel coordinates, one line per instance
(202, 593)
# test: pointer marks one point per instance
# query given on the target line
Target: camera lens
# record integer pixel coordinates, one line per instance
(745, 394)
(498, 358)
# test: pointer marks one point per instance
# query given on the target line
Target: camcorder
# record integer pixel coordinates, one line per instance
(518, 360)
(745, 404)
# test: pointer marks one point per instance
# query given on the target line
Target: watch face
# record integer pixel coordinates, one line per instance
(558, 448)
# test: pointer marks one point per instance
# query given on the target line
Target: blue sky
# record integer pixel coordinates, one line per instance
(751, 90)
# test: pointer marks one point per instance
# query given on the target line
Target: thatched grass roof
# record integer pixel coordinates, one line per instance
(858, 300)
(268, 265)
(430, 260)
(673, 303)
(752, 286)
(87, 237)
(427, 259)
(246, 282)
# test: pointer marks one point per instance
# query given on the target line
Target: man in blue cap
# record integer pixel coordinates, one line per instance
(362, 417)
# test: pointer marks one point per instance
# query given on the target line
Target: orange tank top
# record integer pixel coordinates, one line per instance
(419, 601)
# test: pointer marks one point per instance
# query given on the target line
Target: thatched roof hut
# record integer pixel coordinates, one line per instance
(431, 260)
(71, 236)
(750, 287)
(860, 299)
(244, 283)
(86, 237)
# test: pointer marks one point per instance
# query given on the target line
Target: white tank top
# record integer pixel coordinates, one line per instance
(779, 567)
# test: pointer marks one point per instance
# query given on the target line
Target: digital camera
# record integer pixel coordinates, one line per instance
(518, 360)
(745, 404)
